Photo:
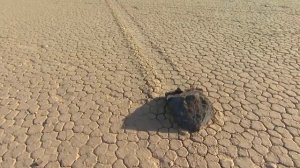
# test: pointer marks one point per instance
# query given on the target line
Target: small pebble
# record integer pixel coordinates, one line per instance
(271, 165)
(44, 46)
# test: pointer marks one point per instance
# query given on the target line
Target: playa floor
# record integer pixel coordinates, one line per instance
(80, 81)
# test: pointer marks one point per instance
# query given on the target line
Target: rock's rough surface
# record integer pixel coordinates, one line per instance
(190, 109)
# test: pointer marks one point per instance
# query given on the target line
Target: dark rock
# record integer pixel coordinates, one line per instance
(190, 108)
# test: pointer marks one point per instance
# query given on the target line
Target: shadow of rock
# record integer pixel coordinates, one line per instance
(150, 117)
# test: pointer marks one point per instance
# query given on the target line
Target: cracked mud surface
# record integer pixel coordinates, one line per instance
(75, 77)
